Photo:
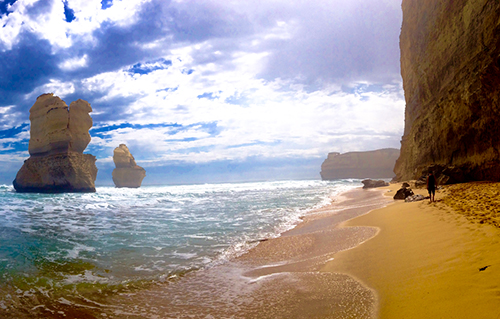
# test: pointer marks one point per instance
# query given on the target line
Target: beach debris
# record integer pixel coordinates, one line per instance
(414, 198)
(403, 192)
(369, 183)
(484, 268)
(127, 173)
(58, 136)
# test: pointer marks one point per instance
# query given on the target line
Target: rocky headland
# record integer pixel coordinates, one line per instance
(450, 64)
(127, 173)
(370, 164)
(58, 137)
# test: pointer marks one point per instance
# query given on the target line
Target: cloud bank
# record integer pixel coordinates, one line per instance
(197, 88)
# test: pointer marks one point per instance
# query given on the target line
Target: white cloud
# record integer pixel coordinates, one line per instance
(74, 63)
(5, 109)
(51, 24)
(272, 122)
(218, 80)
(59, 88)
(255, 117)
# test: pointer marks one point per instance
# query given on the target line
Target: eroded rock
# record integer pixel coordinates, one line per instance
(369, 183)
(403, 193)
(57, 173)
(451, 69)
(127, 173)
(58, 137)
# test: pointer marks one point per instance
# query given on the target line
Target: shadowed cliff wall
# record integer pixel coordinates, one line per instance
(450, 64)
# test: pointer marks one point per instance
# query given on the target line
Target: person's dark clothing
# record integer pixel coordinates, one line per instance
(431, 184)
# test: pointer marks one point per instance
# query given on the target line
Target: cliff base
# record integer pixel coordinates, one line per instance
(58, 173)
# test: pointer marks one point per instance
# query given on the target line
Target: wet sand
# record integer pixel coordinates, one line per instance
(279, 278)
(432, 260)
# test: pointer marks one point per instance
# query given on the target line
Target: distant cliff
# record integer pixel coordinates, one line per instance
(450, 64)
(371, 164)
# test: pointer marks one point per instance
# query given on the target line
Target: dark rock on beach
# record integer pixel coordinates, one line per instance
(403, 192)
(368, 183)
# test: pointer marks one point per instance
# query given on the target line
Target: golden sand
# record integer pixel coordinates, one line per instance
(479, 202)
(432, 260)
(411, 260)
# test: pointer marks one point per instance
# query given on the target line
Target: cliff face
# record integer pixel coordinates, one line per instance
(58, 137)
(371, 164)
(450, 64)
(127, 173)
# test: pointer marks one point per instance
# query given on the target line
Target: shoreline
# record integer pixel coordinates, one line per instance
(278, 278)
(364, 255)
(430, 260)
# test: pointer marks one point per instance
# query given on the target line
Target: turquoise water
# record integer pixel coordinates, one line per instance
(65, 248)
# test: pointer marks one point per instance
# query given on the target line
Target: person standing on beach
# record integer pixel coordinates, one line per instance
(431, 187)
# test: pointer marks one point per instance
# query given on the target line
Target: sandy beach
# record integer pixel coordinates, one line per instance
(431, 260)
(363, 256)
(279, 278)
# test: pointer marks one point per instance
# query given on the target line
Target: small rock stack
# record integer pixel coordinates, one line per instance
(127, 173)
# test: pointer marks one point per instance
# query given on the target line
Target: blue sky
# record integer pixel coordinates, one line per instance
(207, 91)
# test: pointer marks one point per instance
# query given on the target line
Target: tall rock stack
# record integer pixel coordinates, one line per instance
(58, 137)
(127, 173)
(450, 64)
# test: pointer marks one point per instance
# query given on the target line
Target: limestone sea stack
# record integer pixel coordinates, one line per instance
(450, 65)
(58, 137)
(127, 173)
(370, 164)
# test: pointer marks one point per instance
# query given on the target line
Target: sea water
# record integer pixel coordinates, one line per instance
(76, 247)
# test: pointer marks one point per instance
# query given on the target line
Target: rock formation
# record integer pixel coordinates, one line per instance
(127, 173)
(58, 137)
(403, 193)
(450, 64)
(371, 164)
(370, 183)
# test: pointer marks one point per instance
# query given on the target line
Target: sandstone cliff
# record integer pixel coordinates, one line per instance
(450, 64)
(371, 164)
(127, 173)
(58, 137)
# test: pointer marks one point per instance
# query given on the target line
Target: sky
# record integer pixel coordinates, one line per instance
(207, 91)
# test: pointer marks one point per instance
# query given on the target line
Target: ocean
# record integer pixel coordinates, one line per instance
(61, 253)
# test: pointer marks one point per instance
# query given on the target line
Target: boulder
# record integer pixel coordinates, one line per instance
(127, 173)
(403, 192)
(369, 183)
(58, 136)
